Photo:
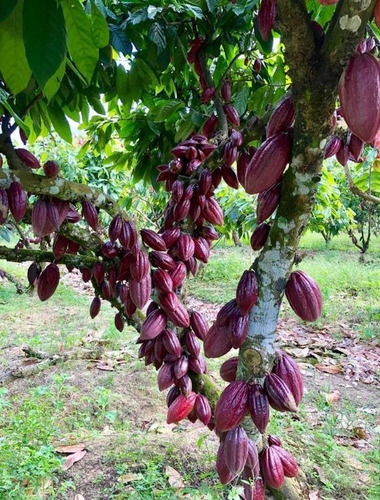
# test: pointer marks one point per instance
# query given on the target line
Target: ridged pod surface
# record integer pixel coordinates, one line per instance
(288, 371)
(268, 163)
(258, 407)
(266, 17)
(271, 468)
(231, 407)
(4, 206)
(304, 296)
(267, 202)
(282, 117)
(359, 93)
(236, 449)
(229, 368)
(279, 394)
(17, 200)
(180, 408)
(48, 281)
(246, 292)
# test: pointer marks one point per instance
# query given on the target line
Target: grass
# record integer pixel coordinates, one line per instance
(120, 415)
(350, 288)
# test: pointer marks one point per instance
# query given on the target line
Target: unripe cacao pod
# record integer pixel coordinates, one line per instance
(39, 214)
(202, 409)
(172, 343)
(246, 292)
(236, 449)
(178, 274)
(217, 342)
(288, 462)
(279, 394)
(153, 240)
(199, 325)
(288, 371)
(181, 367)
(238, 330)
(232, 115)
(34, 270)
(51, 168)
(185, 247)
(259, 236)
(266, 17)
(4, 206)
(192, 344)
(224, 473)
(165, 377)
(153, 325)
(162, 281)
(119, 321)
(333, 146)
(267, 202)
(258, 407)
(27, 158)
(162, 260)
(304, 296)
(95, 307)
(90, 214)
(282, 117)
(229, 368)
(359, 93)
(139, 267)
(60, 245)
(212, 212)
(139, 291)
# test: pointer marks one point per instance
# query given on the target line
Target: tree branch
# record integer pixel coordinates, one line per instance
(355, 190)
(28, 255)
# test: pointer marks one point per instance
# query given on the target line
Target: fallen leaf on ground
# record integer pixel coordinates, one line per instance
(332, 397)
(328, 368)
(71, 459)
(129, 477)
(70, 448)
(174, 478)
(105, 367)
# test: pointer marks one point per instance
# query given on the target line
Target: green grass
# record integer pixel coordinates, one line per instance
(350, 288)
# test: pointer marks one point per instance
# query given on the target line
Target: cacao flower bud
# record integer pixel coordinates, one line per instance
(304, 296)
(232, 406)
(48, 281)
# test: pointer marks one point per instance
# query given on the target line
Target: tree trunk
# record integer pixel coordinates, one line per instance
(237, 241)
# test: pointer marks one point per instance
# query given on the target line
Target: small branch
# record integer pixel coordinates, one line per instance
(21, 233)
(19, 287)
(355, 190)
(28, 255)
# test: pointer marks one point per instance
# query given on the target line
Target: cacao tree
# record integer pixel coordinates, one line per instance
(255, 94)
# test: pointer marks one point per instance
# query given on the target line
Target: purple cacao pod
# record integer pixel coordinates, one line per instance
(282, 117)
(202, 409)
(236, 449)
(90, 214)
(267, 202)
(359, 93)
(153, 240)
(232, 406)
(333, 146)
(229, 368)
(153, 325)
(27, 158)
(288, 371)
(279, 394)
(268, 163)
(212, 212)
(304, 296)
(139, 266)
(185, 247)
(4, 206)
(199, 325)
(95, 307)
(178, 274)
(271, 468)
(51, 168)
(139, 291)
(217, 342)
(288, 462)
(266, 17)
(258, 407)
(39, 214)
(259, 236)
(48, 281)
(17, 201)
(246, 292)
(224, 473)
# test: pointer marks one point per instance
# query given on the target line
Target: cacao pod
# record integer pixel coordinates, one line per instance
(4, 206)
(95, 307)
(180, 408)
(119, 321)
(266, 17)
(288, 463)
(282, 117)
(246, 292)
(27, 158)
(185, 247)
(304, 296)
(333, 146)
(48, 281)
(162, 281)
(359, 93)
(39, 214)
(139, 267)
(17, 201)
(199, 325)
(165, 377)
(224, 473)
(217, 342)
(229, 368)
(238, 330)
(51, 168)
(171, 343)
(279, 394)
(259, 236)
(153, 325)
(258, 407)
(181, 367)
(231, 407)
(178, 274)
(268, 163)
(139, 291)
(60, 245)
(153, 240)
(288, 371)
(236, 449)
(267, 202)
(34, 270)
(355, 147)
(271, 468)
(162, 260)
(90, 214)
(202, 409)
(232, 115)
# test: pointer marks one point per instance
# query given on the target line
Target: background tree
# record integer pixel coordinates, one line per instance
(190, 87)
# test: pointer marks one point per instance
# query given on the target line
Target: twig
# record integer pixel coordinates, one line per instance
(355, 190)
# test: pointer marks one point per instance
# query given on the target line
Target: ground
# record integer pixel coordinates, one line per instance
(105, 403)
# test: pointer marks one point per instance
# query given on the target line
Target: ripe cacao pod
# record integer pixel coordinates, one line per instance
(48, 281)
(4, 206)
(268, 163)
(304, 296)
(282, 117)
(236, 449)
(288, 371)
(51, 168)
(279, 394)
(271, 468)
(229, 368)
(246, 292)
(180, 408)
(17, 200)
(27, 158)
(162, 260)
(192, 344)
(267, 202)
(359, 93)
(259, 236)
(232, 406)
(266, 17)
(258, 407)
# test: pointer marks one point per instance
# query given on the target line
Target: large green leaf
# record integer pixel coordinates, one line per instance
(13, 63)
(59, 121)
(6, 7)
(44, 37)
(79, 38)
(100, 32)
(54, 82)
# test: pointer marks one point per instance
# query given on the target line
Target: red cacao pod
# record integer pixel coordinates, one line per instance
(202, 409)
(268, 163)
(4, 206)
(162, 260)
(181, 210)
(356, 147)
(271, 468)
(282, 117)
(224, 473)
(207, 95)
(60, 245)
(17, 200)
(162, 281)
(359, 93)
(238, 330)
(153, 325)
(197, 365)
(201, 249)
(165, 377)
(95, 307)
(51, 168)
(153, 240)
(212, 212)
(90, 214)
(210, 126)
(246, 292)
(48, 281)
(288, 371)
(226, 312)
(170, 236)
(279, 394)
(209, 233)
(185, 247)
(180, 408)
(225, 91)
(139, 267)
(27, 158)
(172, 343)
(288, 462)
(39, 214)
(199, 325)
(304, 296)
(267, 202)
(232, 115)
(258, 492)
(217, 342)
(231, 407)
(266, 17)
(229, 368)
(98, 272)
(274, 440)
(191, 266)
(260, 236)
(110, 249)
(258, 407)
(179, 316)
(181, 367)
(236, 449)
(178, 274)
(192, 344)
(333, 146)
(229, 176)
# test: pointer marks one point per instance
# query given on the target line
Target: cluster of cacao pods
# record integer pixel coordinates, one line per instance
(231, 325)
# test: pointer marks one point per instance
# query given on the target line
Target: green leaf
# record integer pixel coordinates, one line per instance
(4, 102)
(79, 38)
(14, 66)
(241, 100)
(157, 35)
(99, 28)
(59, 121)
(44, 37)
(184, 130)
(196, 11)
(6, 8)
(54, 82)
(119, 40)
